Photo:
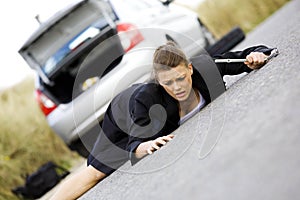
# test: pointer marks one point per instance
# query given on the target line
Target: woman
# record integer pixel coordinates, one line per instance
(181, 91)
(156, 109)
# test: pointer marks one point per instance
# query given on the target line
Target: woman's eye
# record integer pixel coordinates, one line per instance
(181, 78)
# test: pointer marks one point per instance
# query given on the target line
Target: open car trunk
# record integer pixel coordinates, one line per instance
(73, 46)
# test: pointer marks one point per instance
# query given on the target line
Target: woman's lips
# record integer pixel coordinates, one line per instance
(180, 94)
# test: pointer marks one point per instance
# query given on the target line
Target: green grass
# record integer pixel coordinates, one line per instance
(26, 141)
(220, 16)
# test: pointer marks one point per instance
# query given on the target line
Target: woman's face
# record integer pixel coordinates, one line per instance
(177, 81)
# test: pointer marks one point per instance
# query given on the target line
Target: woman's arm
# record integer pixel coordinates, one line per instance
(143, 128)
(149, 118)
(76, 185)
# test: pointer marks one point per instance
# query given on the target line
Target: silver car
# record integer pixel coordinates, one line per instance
(90, 51)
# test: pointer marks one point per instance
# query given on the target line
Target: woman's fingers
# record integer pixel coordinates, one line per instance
(167, 138)
(163, 140)
(255, 60)
(158, 143)
(256, 57)
(149, 151)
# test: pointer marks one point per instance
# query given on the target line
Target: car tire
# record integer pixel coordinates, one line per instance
(227, 42)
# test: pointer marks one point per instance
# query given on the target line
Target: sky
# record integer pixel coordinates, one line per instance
(17, 19)
(17, 24)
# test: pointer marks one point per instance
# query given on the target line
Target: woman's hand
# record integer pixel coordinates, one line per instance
(151, 146)
(255, 60)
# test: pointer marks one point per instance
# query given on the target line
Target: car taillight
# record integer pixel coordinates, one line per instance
(129, 34)
(46, 105)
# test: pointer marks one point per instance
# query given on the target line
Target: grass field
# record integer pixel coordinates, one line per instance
(26, 142)
(221, 15)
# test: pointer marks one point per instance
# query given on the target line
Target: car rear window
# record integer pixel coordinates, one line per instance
(79, 26)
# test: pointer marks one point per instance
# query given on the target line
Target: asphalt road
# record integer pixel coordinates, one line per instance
(252, 130)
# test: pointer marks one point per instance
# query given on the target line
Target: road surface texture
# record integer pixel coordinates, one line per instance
(253, 130)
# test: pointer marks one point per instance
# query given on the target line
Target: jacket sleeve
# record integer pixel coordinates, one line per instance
(147, 120)
(139, 118)
(238, 68)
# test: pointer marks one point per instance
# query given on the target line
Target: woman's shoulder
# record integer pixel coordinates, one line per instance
(149, 93)
(150, 87)
(147, 90)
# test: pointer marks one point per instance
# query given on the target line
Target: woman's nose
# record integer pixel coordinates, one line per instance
(176, 86)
